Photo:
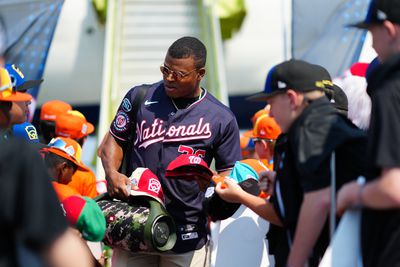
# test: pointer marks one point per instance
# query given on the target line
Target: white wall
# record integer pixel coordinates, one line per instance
(74, 67)
(256, 48)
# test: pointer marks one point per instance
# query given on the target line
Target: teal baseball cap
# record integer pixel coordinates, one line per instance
(242, 171)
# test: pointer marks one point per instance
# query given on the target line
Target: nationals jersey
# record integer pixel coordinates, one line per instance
(206, 128)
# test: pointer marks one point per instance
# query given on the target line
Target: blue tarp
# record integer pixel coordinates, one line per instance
(29, 26)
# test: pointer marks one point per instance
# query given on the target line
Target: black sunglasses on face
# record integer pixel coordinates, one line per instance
(261, 139)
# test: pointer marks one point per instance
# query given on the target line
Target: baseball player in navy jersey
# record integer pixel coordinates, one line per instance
(176, 116)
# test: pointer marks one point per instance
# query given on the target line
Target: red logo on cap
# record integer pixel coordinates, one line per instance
(146, 183)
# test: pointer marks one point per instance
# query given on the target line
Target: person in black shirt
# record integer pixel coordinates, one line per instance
(380, 196)
(313, 133)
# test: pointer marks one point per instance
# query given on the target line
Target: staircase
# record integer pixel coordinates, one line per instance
(138, 34)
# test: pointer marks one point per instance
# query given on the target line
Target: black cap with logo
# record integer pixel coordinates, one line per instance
(294, 74)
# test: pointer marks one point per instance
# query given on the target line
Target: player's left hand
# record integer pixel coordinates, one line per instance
(229, 190)
(347, 197)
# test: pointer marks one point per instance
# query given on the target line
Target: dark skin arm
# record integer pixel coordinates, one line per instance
(111, 154)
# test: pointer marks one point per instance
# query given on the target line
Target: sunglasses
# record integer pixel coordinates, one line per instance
(176, 75)
(263, 139)
(62, 145)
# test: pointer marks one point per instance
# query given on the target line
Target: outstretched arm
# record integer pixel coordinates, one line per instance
(232, 192)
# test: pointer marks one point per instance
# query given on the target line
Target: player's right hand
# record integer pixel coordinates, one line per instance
(118, 185)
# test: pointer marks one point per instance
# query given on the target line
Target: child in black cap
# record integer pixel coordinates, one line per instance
(313, 133)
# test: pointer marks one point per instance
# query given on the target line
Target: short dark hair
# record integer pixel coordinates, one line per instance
(47, 129)
(5, 107)
(52, 160)
(189, 47)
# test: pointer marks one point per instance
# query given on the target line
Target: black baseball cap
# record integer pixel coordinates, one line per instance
(378, 12)
(294, 74)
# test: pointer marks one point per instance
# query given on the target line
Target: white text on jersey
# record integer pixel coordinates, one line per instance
(146, 136)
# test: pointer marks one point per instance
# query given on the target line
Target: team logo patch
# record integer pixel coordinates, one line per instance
(126, 105)
(84, 129)
(70, 150)
(281, 85)
(154, 185)
(189, 236)
(31, 132)
(121, 121)
(381, 15)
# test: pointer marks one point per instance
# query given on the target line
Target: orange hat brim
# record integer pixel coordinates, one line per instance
(249, 134)
(16, 97)
(66, 156)
(90, 128)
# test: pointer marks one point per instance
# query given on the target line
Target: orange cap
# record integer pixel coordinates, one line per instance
(73, 124)
(51, 109)
(6, 89)
(264, 111)
(266, 128)
(68, 149)
(219, 179)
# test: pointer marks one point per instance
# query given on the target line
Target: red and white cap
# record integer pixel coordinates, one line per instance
(145, 183)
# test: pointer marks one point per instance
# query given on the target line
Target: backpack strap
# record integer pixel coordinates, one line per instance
(136, 102)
